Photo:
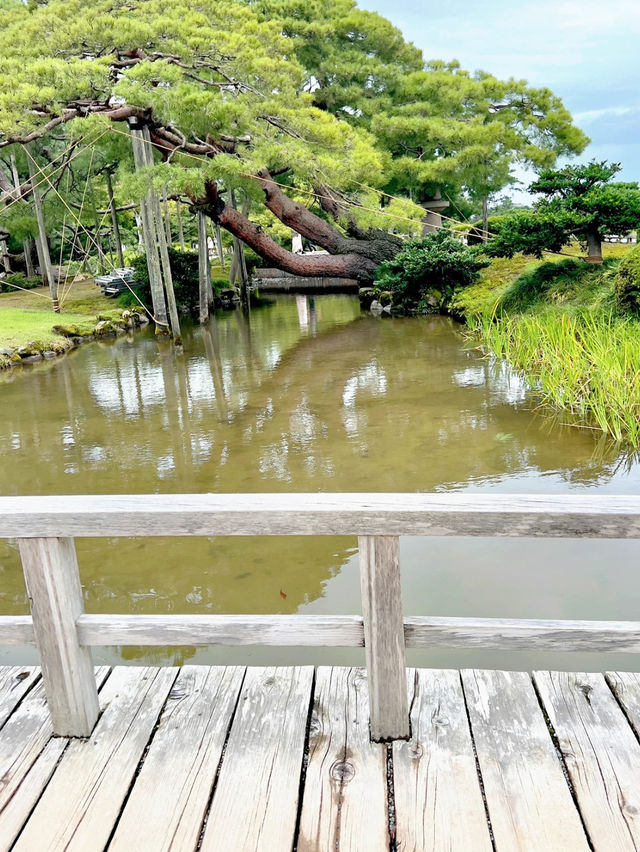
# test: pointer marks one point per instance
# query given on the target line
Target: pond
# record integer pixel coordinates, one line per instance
(307, 394)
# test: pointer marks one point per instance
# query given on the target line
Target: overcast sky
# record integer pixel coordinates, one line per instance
(586, 51)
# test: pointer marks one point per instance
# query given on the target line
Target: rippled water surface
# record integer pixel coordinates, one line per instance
(308, 395)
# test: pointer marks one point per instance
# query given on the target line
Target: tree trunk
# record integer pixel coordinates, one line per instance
(330, 266)
(114, 220)
(4, 253)
(46, 270)
(594, 246)
(180, 229)
(485, 219)
(150, 241)
(204, 272)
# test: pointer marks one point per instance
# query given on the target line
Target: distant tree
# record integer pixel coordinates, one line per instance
(577, 201)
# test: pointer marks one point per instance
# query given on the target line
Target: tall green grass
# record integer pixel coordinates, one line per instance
(584, 362)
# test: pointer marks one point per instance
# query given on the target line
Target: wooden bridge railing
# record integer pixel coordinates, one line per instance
(63, 633)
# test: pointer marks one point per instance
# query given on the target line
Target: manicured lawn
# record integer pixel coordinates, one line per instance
(26, 318)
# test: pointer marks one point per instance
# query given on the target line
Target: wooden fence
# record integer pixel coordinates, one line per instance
(64, 634)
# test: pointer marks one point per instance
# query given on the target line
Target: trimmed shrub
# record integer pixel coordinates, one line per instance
(424, 275)
(626, 282)
(19, 280)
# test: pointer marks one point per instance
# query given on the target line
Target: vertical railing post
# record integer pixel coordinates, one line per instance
(53, 585)
(384, 637)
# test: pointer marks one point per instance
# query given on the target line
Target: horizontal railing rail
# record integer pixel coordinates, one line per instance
(64, 634)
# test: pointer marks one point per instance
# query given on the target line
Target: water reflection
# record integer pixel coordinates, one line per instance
(303, 395)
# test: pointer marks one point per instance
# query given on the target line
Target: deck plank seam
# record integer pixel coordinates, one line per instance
(561, 759)
(273, 757)
(42, 792)
(305, 762)
(140, 762)
(58, 761)
(392, 823)
(483, 794)
(214, 785)
(37, 680)
(607, 680)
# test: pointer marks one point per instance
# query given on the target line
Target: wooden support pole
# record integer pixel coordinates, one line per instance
(238, 250)
(27, 244)
(150, 241)
(46, 270)
(180, 228)
(96, 225)
(53, 585)
(218, 238)
(162, 245)
(167, 216)
(166, 273)
(114, 219)
(204, 269)
(384, 637)
(28, 258)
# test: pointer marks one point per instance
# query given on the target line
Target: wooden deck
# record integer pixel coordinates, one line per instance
(280, 759)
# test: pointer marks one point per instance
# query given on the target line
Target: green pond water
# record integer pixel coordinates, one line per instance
(308, 395)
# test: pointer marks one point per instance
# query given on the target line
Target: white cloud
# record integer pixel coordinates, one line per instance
(595, 114)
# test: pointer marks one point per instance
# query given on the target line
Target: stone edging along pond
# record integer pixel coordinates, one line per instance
(70, 336)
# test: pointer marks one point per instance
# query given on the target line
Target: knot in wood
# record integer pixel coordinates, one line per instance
(314, 726)
(416, 751)
(343, 772)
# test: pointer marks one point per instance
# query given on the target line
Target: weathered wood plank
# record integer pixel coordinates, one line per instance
(28, 756)
(437, 792)
(384, 636)
(626, 688)
(601, 753)
(80, 805)
(510, 515)
(196, 629)
(256, 798)
(16, 630)
(348, 631)
(522, 634)
(171, 793)
(529, 802)
(15, 682)
(53, 585)
(344, 803)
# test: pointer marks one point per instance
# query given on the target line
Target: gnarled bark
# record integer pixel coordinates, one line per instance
(319, 265)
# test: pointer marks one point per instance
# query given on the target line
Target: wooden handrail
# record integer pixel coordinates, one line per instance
(459, 514)
(64, 633)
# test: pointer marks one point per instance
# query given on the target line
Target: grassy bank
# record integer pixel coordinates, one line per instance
(28, 326)
(562, 325)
